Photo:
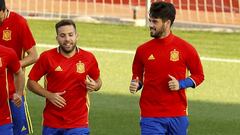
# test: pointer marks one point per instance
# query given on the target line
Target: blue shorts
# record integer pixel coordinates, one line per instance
(164, 126)
(21, 120)
(6, 129)
(64, 131)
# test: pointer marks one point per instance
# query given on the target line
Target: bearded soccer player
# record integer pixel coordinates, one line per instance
(160, 67)
(70, 73)
(15, 34)
(9, 61)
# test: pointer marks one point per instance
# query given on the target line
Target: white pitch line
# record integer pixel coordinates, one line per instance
(133, 52)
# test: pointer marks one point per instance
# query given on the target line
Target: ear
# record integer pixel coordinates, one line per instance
(168, 23)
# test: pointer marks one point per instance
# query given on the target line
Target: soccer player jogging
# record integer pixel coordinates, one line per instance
(70, 73)
(160, 67)
(15, 34)
(9, 61)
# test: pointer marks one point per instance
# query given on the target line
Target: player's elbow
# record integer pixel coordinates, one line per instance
(199, 79)
(34, 57)
(30, 84)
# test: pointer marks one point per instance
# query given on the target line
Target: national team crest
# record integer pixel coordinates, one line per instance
(174, 55)
(0, 62)
(7, 35)
(80, 67)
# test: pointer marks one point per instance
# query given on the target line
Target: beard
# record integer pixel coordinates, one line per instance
(158, 33)
(68, 49)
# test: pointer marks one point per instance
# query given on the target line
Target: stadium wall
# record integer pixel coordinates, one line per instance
(213, 12)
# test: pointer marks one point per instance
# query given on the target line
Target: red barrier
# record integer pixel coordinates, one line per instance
(184, 4)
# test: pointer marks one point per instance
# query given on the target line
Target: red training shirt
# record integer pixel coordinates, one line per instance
(66, 74)
(15, 34)
(153, 62)
(8, 61)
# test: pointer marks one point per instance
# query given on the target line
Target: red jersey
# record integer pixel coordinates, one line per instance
(153, 62)
(15, 34)
(8, 61)
(66, 74)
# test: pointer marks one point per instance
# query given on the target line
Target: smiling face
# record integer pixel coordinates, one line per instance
(67, 39)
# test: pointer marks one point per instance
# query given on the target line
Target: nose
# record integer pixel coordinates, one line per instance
(150, 24)
(67, 38)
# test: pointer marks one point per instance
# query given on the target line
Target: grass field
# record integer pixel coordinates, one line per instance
(214, 107)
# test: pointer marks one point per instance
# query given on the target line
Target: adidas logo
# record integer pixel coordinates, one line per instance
(58, 68)
(24, 128)
(151, 57)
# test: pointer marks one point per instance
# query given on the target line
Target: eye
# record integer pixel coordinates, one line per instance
(61, 35)
(70, 34)
(154, 21)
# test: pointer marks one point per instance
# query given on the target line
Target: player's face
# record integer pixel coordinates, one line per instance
(67, 38)
(157, 27)
(2, 15)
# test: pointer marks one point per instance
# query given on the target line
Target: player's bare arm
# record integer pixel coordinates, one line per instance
(31, 57)
(93, 85)
(19, 83)
(54, 98)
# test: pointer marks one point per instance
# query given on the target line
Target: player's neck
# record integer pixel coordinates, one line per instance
(68, 54)
(166, 34)
(6, 12)
(4, 15)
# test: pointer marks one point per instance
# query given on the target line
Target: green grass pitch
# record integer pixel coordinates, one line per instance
(214, 107)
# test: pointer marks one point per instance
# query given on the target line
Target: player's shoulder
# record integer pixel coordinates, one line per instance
(49, 52)
(17, 17)
(184, 45)
(182, 42)
(85, 52)
(145, 45)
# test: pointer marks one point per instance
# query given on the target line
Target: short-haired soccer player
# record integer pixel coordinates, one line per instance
(70, 73)
(15, 34)
(160, 66)
(9, 61)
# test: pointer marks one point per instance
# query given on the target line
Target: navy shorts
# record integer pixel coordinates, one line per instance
(164, 126)
(6, 129)
(21, 120)
(64, 131)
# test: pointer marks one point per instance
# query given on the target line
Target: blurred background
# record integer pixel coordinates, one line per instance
(108, 29)
(190, 13)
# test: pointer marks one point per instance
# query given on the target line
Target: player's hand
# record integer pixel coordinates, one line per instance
(17, 99)
(57, 99)
(134, 85)
(173, 84)
(91, 85)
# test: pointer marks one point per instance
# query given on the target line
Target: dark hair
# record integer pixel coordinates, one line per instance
(64, 23)
(163, 10)
(2, 5)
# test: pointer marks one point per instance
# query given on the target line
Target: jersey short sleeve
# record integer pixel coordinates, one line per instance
(26, 35)
(13, 64)
(94, 71)
(39, 68)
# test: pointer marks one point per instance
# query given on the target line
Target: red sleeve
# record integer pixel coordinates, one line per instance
(26, 35)
(39, 69)
(194, 65)
(137, 66)
(94, 71)
(14, 64)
